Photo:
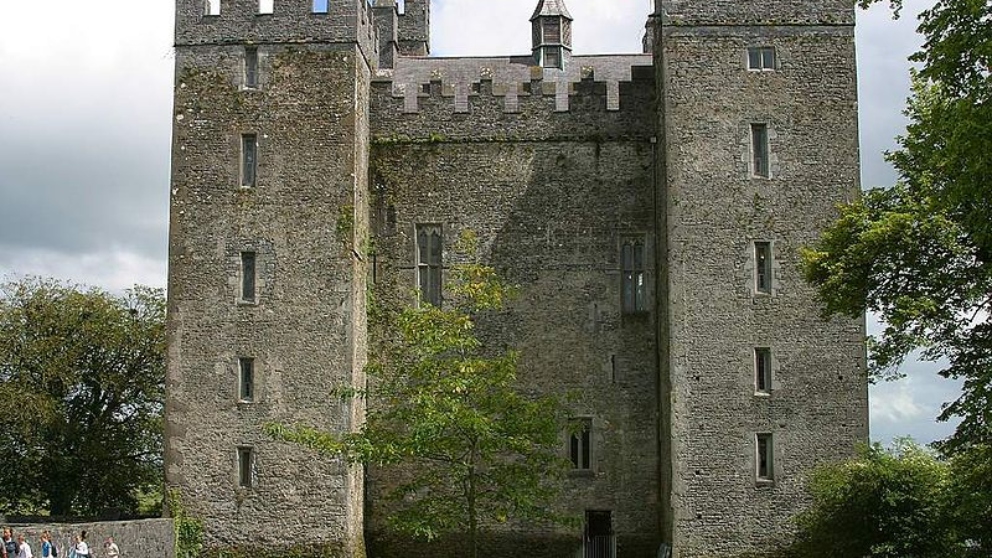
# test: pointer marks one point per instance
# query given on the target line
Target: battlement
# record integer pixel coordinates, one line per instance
(755, 12)
(218, 22)
(459, 97)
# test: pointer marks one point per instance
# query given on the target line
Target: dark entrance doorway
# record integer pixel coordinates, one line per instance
(599, 539)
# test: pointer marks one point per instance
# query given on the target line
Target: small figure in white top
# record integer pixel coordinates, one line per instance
(110, 548)
(82, 549)
(23, 548)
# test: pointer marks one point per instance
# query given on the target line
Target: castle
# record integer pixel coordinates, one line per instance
(651, 207)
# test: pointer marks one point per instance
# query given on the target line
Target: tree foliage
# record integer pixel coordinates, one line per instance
(899, 503)
(919, 253)
(446, 414)
(82, 377)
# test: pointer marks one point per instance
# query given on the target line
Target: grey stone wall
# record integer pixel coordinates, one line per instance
(306, 331)
(817, 409)
(136, 539)
(756, 12)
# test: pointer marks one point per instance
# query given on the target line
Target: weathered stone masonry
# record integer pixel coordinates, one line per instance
(361, 136)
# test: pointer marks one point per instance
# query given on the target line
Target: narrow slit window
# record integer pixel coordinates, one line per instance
(763, 267)
(246, 467)
(249, 160)
(761, 58)
(246, 381)
(211, 8)
(248, 273)
(759, 150)
(319, 6)
(251, 67)
(765, 457)
(265, 7)
(580, 444)
(763, 370)
(429, 250)
(634, 287)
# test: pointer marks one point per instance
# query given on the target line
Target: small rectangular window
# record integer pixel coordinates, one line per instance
(761, 58)
(246, 467)
(580, 443)
(265, 7)
(251, 67)
(249, 160)
(765, 457)
(763, 267)
(759, 150)
(211, 8)
(429, 251)
(246, 381)
(248, 276)
(552, 57)
(763, 370)
(320, 6)
(634, 287)
(552, 31)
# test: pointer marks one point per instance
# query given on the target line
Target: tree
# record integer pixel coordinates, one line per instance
(919, 254)
(446, 414)
(884, 504)
(82, 377)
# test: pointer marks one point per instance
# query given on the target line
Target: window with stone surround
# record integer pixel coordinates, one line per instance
(760, 166)
(552, 57)
(580, 443)
(251, 67)
(762, 370)
(246, 380)
(211, 7)
(249, 160)
(319, 6)
(763, 267)
(761, 58)
(246, 467)
(764, 458)
(634, 288)
(248, 274)
(429, 251)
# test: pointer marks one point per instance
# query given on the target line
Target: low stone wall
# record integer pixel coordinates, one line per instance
(146, 538)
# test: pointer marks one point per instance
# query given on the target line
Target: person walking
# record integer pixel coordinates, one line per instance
(23, 548)
(46, 545)
(82, 549)
(110, 549)
(9, 544)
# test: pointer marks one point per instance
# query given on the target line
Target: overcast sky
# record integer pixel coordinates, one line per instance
(85, 109)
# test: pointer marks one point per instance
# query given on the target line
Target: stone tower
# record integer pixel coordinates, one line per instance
(759, 142)
(266, 283)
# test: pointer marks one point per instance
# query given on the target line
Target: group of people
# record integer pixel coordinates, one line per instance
(19, 548)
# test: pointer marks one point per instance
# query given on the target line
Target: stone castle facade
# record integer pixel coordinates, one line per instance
(651, 207)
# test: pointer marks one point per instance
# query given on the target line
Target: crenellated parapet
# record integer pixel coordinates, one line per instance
(514, 85)
(223, 22)
(743, 13)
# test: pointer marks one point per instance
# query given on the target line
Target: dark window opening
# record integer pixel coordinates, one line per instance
(429, 250)
(761, 58)
(248, 276)
(759, 150)
(247, 380)
(580, 444)
(765, 464)
(320, 6)
(763, 370)
(246, 467)
(599, 538)
(552, 57)
(763, 267)
(251, 67)
(249, 159)
(634, 287)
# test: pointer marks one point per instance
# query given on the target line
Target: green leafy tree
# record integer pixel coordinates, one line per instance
(447, 414)
(884, 504)
(82, 377)
(919, 253)
(970, 499)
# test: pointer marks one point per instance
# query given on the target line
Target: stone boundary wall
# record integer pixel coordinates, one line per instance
(146, 538)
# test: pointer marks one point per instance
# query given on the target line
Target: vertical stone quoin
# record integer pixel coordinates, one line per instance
(267, 270)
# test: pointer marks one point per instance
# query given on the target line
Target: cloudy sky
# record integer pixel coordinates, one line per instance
(85, 108)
